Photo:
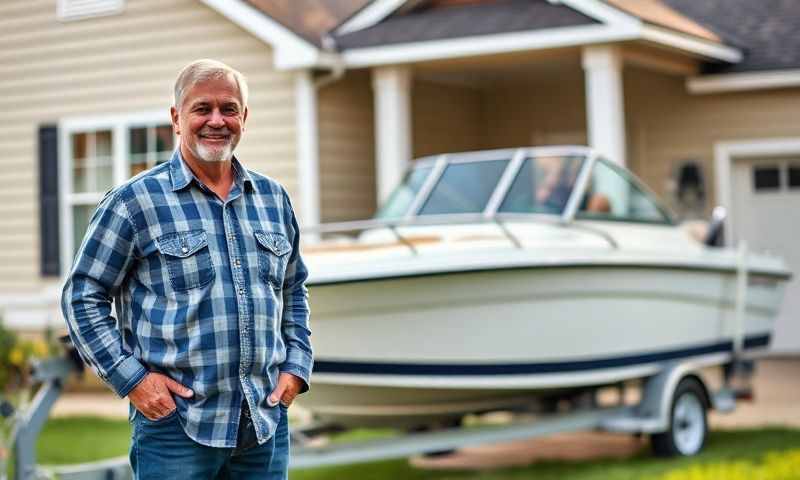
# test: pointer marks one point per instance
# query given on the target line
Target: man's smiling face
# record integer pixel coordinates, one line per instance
(210, 120)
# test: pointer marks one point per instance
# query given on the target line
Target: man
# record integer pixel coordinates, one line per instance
(211, 340)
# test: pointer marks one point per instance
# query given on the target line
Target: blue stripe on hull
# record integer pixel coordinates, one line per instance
(372, 368)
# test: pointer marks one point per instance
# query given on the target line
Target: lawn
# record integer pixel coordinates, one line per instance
(78, 439)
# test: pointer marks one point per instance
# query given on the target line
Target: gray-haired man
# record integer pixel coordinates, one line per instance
(211, 341)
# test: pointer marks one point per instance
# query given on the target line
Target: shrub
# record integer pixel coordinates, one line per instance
(16, 354)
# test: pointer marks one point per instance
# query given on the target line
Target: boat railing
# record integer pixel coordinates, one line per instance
(500, 220)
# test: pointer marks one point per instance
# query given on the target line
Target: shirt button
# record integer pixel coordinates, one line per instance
(241, 291)
(237, 262)
(184, 249)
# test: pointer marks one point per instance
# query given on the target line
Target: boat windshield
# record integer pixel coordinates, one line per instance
(464, 187)
(403, 196)
(543, 185)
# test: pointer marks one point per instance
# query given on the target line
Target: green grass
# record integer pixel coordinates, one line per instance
(722, 447)
(82, 439)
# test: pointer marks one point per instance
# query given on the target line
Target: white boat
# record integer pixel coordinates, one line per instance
(492, 279)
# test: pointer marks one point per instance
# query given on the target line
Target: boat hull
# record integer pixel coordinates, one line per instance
(431, 348)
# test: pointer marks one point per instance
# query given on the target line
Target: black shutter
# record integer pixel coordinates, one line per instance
(48, 200)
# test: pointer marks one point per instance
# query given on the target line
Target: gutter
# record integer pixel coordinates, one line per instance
(735, 82)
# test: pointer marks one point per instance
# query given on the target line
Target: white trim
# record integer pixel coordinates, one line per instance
(725, 153)
(119, 125)
(69, 10)
(602, 12)
(64, 208)
(370, 15)
(691, 44)
(732, 82)
(291, 50)
(486, 45)
(307, 148)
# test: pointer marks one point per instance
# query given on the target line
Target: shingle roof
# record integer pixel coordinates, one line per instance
(463, 20)
(767, 31)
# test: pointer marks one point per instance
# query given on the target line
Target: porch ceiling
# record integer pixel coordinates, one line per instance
(549, 65)
(510, 68)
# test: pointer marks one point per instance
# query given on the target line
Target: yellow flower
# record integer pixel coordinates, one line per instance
(16, 356)
(40, 348)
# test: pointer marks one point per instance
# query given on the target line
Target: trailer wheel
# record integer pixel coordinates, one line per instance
(688, 423)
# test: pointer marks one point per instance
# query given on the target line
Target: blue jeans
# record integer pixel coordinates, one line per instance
(161, 450)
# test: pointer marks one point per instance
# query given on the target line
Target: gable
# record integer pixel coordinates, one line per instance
(455, 19)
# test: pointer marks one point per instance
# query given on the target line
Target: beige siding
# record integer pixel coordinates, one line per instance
(543, 112)
(446, 118)
(347, 149)
(666, 125)
(51, 70)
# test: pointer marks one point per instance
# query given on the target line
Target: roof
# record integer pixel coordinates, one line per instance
(740, 35)
(444, 20)
(765, 30)
(311, 19)
(657, 13)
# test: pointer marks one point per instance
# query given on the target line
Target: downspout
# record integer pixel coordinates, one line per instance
(337, 70)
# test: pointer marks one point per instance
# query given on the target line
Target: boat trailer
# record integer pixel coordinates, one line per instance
(673, 404)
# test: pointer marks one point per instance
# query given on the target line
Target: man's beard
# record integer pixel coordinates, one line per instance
(220, 154)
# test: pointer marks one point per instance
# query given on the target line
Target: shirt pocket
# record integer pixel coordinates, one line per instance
(273, 255)
(188, 259)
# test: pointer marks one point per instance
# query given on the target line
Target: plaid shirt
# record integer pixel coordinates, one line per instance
(208, 292)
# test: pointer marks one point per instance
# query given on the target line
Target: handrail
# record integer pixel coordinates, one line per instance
(498, 219)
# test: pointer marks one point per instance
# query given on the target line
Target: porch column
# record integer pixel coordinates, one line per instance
(393, 147)
(605, 107)
(307, 149)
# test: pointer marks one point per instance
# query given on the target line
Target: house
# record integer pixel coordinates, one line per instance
(699, 99)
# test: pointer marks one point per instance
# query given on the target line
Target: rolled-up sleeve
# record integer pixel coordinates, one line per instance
(295, 323)
(105, 257)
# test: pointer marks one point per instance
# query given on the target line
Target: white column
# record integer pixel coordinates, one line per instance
(393, 147)
(307, 149)
(605, 107)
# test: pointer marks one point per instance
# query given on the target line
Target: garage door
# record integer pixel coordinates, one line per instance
(766, 213)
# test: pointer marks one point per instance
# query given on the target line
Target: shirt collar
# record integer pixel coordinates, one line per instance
(181, 175)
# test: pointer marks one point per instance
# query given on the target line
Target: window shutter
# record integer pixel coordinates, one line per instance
(48, 200)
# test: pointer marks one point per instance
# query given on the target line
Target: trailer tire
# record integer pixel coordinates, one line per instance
(688, 422)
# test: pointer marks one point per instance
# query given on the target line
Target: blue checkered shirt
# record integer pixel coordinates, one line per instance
(208, 292)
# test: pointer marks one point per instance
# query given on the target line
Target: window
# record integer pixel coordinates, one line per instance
(91, 175)
(464, 187)
(100, 154)
(149, 146)
(612, 194)
(78, 9)
(767, 178)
